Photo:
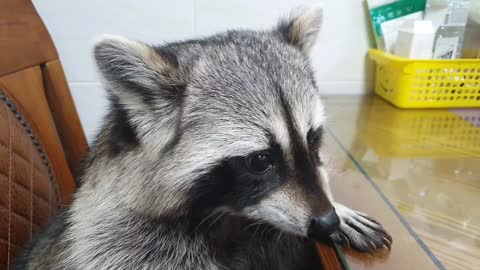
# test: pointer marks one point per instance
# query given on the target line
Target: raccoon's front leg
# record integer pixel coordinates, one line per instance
(359, 231)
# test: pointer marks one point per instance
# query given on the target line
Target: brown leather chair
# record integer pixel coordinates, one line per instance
(41, 138)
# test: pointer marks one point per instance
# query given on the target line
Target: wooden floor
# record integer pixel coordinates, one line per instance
(424, 165)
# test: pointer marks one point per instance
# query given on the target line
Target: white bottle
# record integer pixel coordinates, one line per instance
(471, 45)
(449, 36)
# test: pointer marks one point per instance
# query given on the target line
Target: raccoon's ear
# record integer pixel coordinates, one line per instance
(146, 86)
(301, 28)
(136, 72)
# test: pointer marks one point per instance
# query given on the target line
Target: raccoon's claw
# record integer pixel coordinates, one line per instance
(360, 232)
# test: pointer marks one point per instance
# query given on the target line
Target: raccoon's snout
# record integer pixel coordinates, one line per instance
(322, 226)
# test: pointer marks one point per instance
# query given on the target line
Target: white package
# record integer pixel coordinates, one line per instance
(415, 40)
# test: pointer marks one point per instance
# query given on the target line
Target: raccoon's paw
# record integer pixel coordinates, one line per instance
(360, 232)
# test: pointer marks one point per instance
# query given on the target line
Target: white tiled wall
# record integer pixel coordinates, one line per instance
(338, 58)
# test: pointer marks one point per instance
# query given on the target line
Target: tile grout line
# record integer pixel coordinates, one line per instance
(385, 199)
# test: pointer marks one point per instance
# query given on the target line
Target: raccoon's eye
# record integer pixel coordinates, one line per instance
(259, 162)
(313, 138)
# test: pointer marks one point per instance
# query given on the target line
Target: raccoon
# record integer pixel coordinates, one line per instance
(209, 158)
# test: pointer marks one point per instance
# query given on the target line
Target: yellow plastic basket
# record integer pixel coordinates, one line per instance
(413, 83)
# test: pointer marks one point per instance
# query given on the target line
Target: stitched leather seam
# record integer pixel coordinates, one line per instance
(45, 200)
(35, 142)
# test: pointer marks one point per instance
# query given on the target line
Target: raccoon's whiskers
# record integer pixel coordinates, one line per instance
(209, 216)
(279, 236)
(265, 230)
(256, 230)
(217, 219)
(270, 230)
(258, 222)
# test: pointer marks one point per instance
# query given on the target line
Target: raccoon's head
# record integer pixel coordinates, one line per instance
(232, 122)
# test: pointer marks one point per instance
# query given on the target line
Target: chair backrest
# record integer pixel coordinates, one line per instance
(41, 138)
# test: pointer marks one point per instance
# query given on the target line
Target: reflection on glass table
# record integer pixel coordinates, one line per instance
(427, 163)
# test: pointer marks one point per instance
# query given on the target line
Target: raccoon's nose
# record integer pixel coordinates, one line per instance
(322, 226)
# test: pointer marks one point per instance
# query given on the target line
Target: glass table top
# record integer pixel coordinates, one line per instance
(417, 172)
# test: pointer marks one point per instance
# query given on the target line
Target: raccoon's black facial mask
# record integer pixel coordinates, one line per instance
(240, 185)
(314, 140)
(239, 182)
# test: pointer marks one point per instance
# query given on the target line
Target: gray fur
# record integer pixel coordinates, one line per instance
(179, 111)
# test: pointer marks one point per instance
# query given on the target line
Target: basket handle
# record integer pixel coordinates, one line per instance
(383, 58)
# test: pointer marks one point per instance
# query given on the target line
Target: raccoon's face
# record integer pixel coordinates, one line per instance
(232, 123)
